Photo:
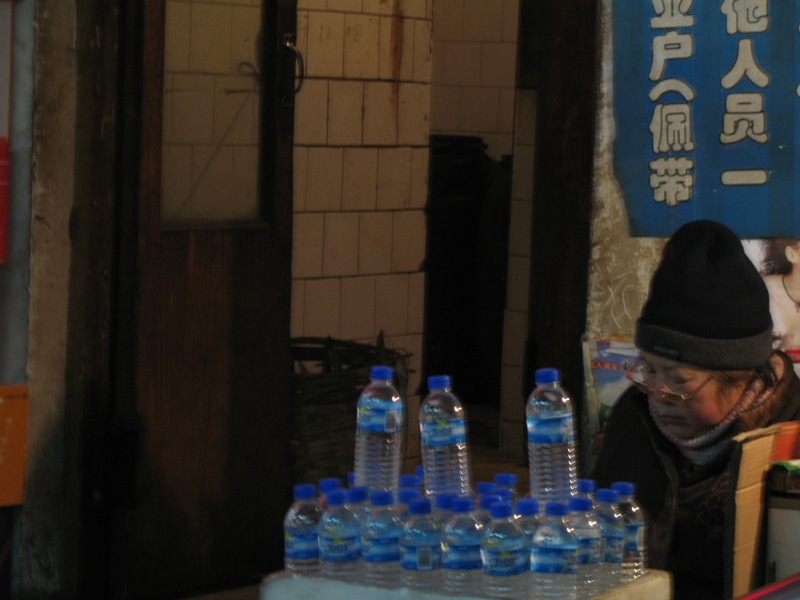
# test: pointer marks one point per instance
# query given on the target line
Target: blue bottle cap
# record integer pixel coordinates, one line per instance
(380, 373)
(580, 504)
(462, 504)
(623, 488)
(504, 493)
(419, 506)
(357, 494)
(586, 486)
(558, 509)
(420, 471)
(409, 481)
(606, 495)
(488, 499)
(527, 507)
(547, 376)
(444, 500)
(337, 498)
(406, 495)
(485, 487)
(304, 491)
(509, 479)
(501, 510)
(382, 498)
(351, 478)
(439, 382)
(328, 484)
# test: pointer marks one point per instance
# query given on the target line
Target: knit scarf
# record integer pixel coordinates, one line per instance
(754, 409)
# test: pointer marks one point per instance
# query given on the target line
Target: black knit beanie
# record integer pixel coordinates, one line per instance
(708, 305)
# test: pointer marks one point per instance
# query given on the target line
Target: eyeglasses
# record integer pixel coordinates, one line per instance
(639, 375)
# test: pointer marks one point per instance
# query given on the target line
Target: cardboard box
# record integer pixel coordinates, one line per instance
(13, 426)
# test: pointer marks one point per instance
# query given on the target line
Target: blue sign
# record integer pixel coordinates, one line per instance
(707, 111)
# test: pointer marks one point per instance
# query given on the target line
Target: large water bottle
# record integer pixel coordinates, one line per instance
(584, 523)
(420, 547)
(339, 538)
(634, 556)
(554, 555)
(380, 541)
(552, 452)
(443, 438)
(504, 554)
(379, 435)
(612, 526)
(462, 568)
(300, 534)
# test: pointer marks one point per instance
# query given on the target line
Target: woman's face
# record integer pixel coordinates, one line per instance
(709, 401)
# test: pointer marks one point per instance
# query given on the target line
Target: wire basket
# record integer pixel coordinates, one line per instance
(328, 378)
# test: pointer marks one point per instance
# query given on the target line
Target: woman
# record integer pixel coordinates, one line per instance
(707, 371)
(781, 272)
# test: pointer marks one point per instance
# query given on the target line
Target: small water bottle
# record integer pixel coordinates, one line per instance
(404, 497)
(484, 508)
(485, 487)
(339, 538)
(351, 479)
(443, 439)
(507, 481)
(420, 547)
(612, 526)
(300, 533)
(442, 510)
(634, 555)
(380, 541)
(552, 453)
(462, 568)
(554, 555)
(411, 481)
(504, 554)
(358, 501)
(527, 511)
(326, 486)
(584, 523)
(379, 435)
(586, 490)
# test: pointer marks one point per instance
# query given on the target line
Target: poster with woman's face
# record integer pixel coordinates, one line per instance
(778, 261)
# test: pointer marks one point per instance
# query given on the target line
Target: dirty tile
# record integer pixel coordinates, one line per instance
(422, 71)
(360, 178)
(378, 7)
(445, 100)
(418, 195)
(380, 114)
(353, 6)
(358, 307)
(394, 178)
(325, 44)
(498, 65)
(478, 109)
(483, 21)
(391, 304)
(510, 20)
(361, 43)
(408, 241)
(321, 307)
(345, 110)
(324, 181)
(448, 19)
(307, 245)
(461, 63)
(340, 247)
(311, 113)
(413, 121)
(375, 243)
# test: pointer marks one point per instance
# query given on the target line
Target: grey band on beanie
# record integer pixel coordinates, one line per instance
(716, 354)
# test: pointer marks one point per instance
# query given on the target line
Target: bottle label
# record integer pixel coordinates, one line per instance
(444, 433)
(380, 416)
(590, 550)
(301, 546)
(462, 557)
(550, 430)
(634, 537)
(380, 549)
(420, 558)
(613, 546)
(554, 560)
(503, 563)
(339, 549)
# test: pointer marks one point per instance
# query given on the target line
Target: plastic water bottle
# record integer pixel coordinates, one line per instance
(484, 508)
(380, 541)
(586, 490)
(326, 486)
(634, 555)
(443, 438)
(339, 538)
(485, 487)
(442, 510)
(420, 547)
(404, 497)
(612, 526)
(419, 470)
(507, 481)
(462, 568)
(527, 511)
(410, 481)
(379, 436)
(351, 479)
(554, 555)
(504, 554)
(358, 501)
(584, 523)
(552, 452)
(300, 534)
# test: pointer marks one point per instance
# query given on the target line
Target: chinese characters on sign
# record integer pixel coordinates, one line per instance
(705, 96)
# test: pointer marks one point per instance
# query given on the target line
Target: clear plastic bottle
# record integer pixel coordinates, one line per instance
(442, 510)
(485, 487)
(379, 433)
(612, 526)
(507, 481)
(339, 538)
(462, 569)
(634, 556)
(380, 541)
(586, 490)
(404, 497)
(484, 508)
(410, 481)
(552, 452)
(584, 523)
(504, 554)
(420, 548)
(300, 533)
(554, 555)
(358, 501)
(527, 511)
(327, 485)
(443, 439)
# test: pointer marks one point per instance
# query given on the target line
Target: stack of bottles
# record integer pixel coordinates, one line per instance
(433, 531)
